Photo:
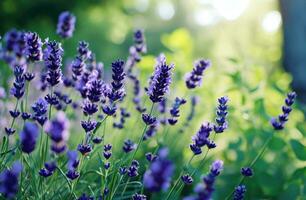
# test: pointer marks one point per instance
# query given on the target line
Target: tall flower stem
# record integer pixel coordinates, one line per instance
(179, 177)
(253, 162)
(142, 135)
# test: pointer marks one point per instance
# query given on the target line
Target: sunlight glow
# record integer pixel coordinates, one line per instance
(165, 10)
(230, 9)
(271, 21)
(206, 17)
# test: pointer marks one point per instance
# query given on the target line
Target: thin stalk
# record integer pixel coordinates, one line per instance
(179, 177)
(142, 135)
(253, 162)
(125, 186)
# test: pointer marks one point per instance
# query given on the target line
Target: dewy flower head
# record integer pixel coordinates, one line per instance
(158, 176)
(33, 49)
(9, 181)
(194, 78)
(66, 24)
(279, 123)
(28, 137)
(160, 80)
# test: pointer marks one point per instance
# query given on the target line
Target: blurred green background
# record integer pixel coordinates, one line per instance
(244, 40)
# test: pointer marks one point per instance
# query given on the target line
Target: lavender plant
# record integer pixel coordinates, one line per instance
(43, 156)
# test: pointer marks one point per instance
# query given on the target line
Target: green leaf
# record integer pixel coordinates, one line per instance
(298, 149)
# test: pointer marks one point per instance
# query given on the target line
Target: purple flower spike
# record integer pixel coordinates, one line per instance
(9, 181)
(202, 138)
(158, 177)
(53, 61)
(160, 81)
(66, 24)
(118, 76)
(221, 121)
(174, 111)
(187, 179)
(33, 49)
(139, 197)
(194, 78)
(28, 137)
(18, 88)
(279, 123)
(128, 146)
(247, 171)
(239, 192)
(58, 131)
(148, 120)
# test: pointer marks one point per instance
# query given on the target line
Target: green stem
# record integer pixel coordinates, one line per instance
(142, 135)
(253, 162)
(179, 177)
(125, 186)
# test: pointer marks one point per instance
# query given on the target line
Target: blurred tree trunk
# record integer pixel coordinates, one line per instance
(294, 47)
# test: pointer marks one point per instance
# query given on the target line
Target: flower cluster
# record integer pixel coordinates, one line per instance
(65, 25)
(279, 123)
(160, 80)
(194, 78)
(158, 177)
(202, 139)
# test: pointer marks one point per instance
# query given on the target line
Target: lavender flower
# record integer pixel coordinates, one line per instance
(202, 138)
(95, 90)
(72, 165)
(25, 115)
(85, 197)
(66, 24)
(158, 177)
(205, 190)
(174, 111)
(29, 76)
(83, 50)
(9, 181)
(239, 192)
(97, 140)
(123, 115)
(40, 110)
(118, 76)
(19, 83)
(53, 60)
(89, 125)
(15, 43)
(133, 169)
(148, 119)
(33, 49)
(151, 131)
(279, 123)
(139, 197)
(128, 146)
(89, 108)
(107, 153)
(139, 40)
(246, 171)
(48, 170)
(160, 81)
(151, 157)
(77, 66)
(187, 179)
(58, 131)
(84, 149)
(194, 78)
(221, 115)
(28, 137)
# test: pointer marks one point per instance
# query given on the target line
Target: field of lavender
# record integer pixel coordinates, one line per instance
(146, 127)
